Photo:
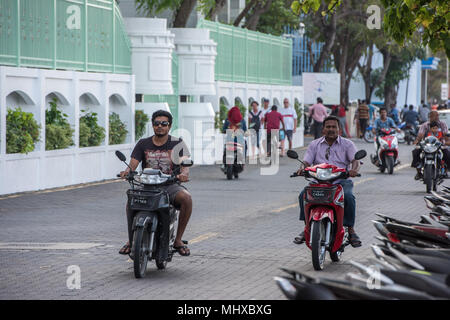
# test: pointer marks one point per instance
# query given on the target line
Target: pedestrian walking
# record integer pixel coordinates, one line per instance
(363, 117)
(342, 116)
(264, 110)
(272, 121)
(423, 112)
(255, 119)
(290, 122)
(318, 112)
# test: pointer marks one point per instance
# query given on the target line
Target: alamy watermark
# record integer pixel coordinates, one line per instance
(374, 20)
(73, 282)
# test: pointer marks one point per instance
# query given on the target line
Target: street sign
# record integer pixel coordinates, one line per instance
(444, 91)
(430, 64)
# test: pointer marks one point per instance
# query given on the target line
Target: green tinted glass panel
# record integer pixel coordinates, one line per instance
(87, 35)
(249, 56)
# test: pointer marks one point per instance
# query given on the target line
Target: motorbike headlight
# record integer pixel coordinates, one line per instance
(326, 174)
(394, 144)
(383, 143)
(150, 179)
(430, 148)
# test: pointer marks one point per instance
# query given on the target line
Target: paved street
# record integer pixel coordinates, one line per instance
(240, 234)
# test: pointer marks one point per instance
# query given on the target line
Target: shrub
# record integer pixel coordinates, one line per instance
(117, 129)
(22, 131)
(91, 134)
(58, 133)
(299, 109)
(140, 121)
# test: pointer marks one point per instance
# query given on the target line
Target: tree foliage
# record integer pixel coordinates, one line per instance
(402, 19)
(91, 134)
(181, 9)
(22, 131)
(117, 129)
(140, 121)
(58, 133)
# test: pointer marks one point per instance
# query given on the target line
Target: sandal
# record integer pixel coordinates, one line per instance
(126, 249)
(185, 251)
(354, 240)
(300, 239)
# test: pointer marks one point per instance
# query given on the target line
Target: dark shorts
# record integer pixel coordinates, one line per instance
(289, 134)
(172, 190)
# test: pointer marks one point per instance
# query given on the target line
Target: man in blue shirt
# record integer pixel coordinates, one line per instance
(394, 114)
(410, 117)
(384, 122)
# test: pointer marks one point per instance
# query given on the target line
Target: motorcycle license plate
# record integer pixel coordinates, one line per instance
(318, 193)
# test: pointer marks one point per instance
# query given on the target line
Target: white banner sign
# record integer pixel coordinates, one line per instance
(444, 91)
(324, 85)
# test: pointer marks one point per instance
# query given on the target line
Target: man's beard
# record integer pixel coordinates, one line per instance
(160, 135)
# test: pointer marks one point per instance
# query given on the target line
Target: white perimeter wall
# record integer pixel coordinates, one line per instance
(31, 89)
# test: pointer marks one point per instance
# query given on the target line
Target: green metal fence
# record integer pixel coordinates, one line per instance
(86, 35)
(249, 56)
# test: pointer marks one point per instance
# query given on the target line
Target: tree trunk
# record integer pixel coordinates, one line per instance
(183, 13)
(243, 13)
(330, 37)
(214, 11)
(252, 23)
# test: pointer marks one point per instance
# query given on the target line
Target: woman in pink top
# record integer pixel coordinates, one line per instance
(318, 112)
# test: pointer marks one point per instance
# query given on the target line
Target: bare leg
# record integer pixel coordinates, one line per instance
(183, 198)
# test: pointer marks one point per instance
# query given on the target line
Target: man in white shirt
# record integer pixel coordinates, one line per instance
(265, 109)
(290, 123)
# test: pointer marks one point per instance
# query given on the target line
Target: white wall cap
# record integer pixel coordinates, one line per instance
(147, 26)
(197, 109)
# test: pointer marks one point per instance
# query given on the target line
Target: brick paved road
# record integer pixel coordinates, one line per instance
(241, 234)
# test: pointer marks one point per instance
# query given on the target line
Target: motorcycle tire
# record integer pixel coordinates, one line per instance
(229, 172)
(140, 248)
(236, 175)
(428, 177)
(336, 256)
(390, 164)
(317, 247)
(161, 265)
(368, 137)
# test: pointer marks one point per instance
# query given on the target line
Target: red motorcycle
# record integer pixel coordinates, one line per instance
(387, 156)
(324, 210)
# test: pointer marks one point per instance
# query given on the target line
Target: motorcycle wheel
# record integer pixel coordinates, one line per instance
(140, 249)
(368, 136)
(317, 246)
(161, 264)
(428, 177)
(336, 256)
(229, 172)
(390, 164)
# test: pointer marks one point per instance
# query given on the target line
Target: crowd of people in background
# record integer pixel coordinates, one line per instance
(365, 115)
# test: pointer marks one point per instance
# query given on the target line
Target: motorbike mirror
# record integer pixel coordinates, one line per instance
(121, 156)
(360, 154)
(292, 154)
(187, 163)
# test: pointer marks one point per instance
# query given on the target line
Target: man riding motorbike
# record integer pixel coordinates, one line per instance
(163, 152)
(384, 122)
(334, 149)
(424, 131)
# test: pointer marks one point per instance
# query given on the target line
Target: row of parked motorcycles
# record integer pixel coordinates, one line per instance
(410, 261)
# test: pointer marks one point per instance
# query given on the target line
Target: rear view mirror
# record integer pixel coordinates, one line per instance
(360, 154)
(121, 156)
(187, 163)
(292, 154)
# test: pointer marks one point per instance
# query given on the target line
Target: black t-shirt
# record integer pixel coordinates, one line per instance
(165, 158)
